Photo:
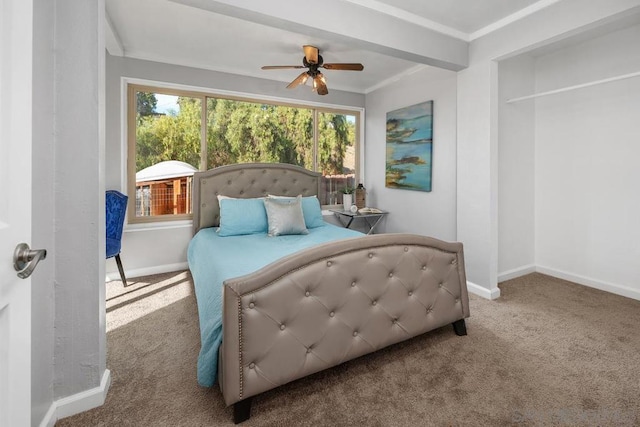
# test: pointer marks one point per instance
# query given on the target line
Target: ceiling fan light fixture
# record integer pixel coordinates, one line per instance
(320, 84)
(318, 80)
(313, 61)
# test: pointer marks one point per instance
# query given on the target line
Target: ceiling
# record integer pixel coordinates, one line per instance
(239, 36)
(467, 16)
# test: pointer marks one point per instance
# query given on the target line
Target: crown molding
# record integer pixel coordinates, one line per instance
(112, 39)
(395, 78)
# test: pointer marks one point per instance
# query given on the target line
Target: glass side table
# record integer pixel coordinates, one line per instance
(371, 219)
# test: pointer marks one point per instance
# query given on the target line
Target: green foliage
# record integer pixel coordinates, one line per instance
(240, 132)
(146, 103)
(163, 137)
(333, 139)
(347, 190)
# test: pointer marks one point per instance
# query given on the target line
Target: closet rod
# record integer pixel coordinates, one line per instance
(580, 86)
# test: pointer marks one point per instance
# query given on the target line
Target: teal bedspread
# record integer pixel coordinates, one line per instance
(214, 259)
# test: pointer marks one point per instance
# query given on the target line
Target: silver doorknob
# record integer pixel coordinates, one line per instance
(25, 259)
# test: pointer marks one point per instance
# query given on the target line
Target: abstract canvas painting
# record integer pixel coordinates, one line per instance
(409, 144)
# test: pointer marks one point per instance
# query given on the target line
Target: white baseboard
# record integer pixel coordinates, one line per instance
(482, 291)
(79, 402)
(50, 419)
(147, 271)
(592, 283)
(576, 278)
(516, 272)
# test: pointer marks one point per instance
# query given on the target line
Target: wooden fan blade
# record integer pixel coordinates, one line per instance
(311, 53)
(280, 67)
(351, 67)
(300, 80)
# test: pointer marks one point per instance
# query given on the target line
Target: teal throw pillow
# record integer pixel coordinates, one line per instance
(242, 216)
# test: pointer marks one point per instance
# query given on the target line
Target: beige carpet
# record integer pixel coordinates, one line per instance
(548, 352)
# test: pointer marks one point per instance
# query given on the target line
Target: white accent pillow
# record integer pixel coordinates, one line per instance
(310, 209)
(284, 216)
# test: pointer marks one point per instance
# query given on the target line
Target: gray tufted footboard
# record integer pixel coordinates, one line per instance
(333, 303)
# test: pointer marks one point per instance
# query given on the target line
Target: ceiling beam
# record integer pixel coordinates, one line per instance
(348, 23)
(411, 17)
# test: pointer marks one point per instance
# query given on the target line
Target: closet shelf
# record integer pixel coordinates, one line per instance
(574, 87)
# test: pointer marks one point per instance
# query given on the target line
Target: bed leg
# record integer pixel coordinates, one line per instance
(242, 410)
(460, 327)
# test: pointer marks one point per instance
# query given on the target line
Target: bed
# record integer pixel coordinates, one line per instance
(272, 314)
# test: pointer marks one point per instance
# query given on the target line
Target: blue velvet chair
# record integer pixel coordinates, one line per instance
(116, 208)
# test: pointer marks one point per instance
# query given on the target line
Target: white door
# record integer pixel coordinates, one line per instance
(16, 40)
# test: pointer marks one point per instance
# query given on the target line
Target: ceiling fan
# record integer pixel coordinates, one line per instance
(313, 61)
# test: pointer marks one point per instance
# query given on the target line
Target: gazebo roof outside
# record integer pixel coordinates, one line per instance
(165, 170)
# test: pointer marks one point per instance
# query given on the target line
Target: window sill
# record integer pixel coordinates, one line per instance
(160, 225)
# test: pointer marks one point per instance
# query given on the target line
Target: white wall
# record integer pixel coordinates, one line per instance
(516, 183)
(68, 302)
(80, 337)
(477, 198)
(433, 213)
(43, 171)
(587, 174)
(160, 247)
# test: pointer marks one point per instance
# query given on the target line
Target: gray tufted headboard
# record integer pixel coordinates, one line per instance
(244, 181)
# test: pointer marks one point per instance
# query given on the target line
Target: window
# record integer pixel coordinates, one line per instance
(337, 154)
(173, 134)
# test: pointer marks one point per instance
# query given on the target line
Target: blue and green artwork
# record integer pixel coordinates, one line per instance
(409, 145)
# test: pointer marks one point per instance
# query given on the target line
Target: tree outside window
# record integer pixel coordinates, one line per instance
(171, 144)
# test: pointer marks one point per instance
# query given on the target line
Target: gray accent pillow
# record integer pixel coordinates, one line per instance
(285, 216)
